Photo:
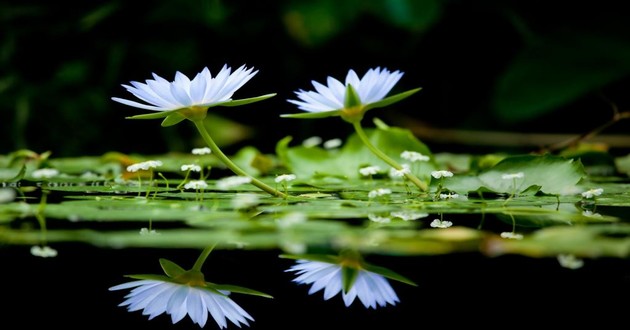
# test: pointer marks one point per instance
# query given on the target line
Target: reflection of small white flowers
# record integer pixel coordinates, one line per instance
(146, 232)
(285, 178)
(45, 173)
(590, 214)
(245, 201)
(379, 192)
(201, 151)
(144, 165)
(449, 196)
(311, 142)
(408, 215)
(511, 235)
(394, 173)
(441, 174)
(378, 219)
(332, 143)
(196, 184)
(232, 181)
(592, 193)
(413, 156)
(570, 261)
(437, 223)
(43, 251)
(191, 167)
(369, 170)
(512, 176)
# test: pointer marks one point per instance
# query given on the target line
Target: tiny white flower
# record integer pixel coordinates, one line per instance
(201, 151)
(285, 177)
(232, 181)
(244, 201)
(590, 214)
(7, 195)
(592, 193)
(511, 176)
(146, 232)
(196, 184)
(311, 142)
(378, 219)
(437, 223)
(144, 165)
(394, 173)
(369, 170)
(570, 261)
(191, 167)
(291, 219)
(441, 174)
(45, 173)
(371, 288)
(511, 235)
(408, 215)
(332, 143)
(414, 156)
(449, 196)
(379, 192)
(43, 251)
(156, 297)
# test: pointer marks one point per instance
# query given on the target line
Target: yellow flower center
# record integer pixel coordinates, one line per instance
(194, 112)
(352, 114)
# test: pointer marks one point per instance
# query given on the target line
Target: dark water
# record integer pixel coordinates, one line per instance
(71, 291)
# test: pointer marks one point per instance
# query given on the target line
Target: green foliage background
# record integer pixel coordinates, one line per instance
(487, 65)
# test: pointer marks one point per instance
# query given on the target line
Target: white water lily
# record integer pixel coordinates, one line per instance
(203, 90)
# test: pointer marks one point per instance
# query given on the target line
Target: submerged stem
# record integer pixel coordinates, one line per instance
(357, 127)
(237, 170)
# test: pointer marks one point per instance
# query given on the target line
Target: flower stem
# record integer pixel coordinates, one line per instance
(237, 170)
(357, 127)
(202, 257)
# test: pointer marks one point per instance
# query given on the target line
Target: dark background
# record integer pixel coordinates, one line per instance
(514, 66)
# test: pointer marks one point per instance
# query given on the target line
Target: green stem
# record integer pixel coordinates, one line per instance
(202, 257)
(414, 179)
(237, 170)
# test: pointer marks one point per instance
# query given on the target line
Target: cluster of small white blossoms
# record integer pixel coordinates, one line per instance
(407, 215)
(144, 165)
(285, 178)
(6, 195)
(394, 173)
(592, 192)
(414, 156)
(379, 192)
(369, 170)
(511, 176)
(437, 223)
(191, 167)
(45, 173)
(146, 232)
(201, 151)
(311, 142)
(450, 195)
(196, 184)
(232, 181)
(441, 174)
(332, 144)
(43, 251)
(511, 235)
(570, 261)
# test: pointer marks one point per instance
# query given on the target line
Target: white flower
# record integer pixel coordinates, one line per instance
(413, 156)
(155, 297)
(312, 142)
(144, 165)
(6, 195)
(202, 91)
(511, 176)
(232, 181)
(394, 173)
(449, 195)
(244, 201)
(196, 184)
(369, 170)
(408, 215)
(441, 174)
(146, 232)
(371, 288)
(191, 167)
(511, 235)
(592, 193)
(437, 223)
(43, 251)
(379, 192)
(590, 214)
(285, 177)
(570, 261)
(373, 87)
(378, 219)
(291, 219)
(332, 143)
(45, 173)
(201, 151)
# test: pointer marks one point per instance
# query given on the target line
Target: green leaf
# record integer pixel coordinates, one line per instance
(238, 289)
(388, 273)
(348, 277)
(152, 277)
(153, 115)
(234, 103)
(173, 118)
(170, 268)
(391, 99)
(413, 15)
(313, 115)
